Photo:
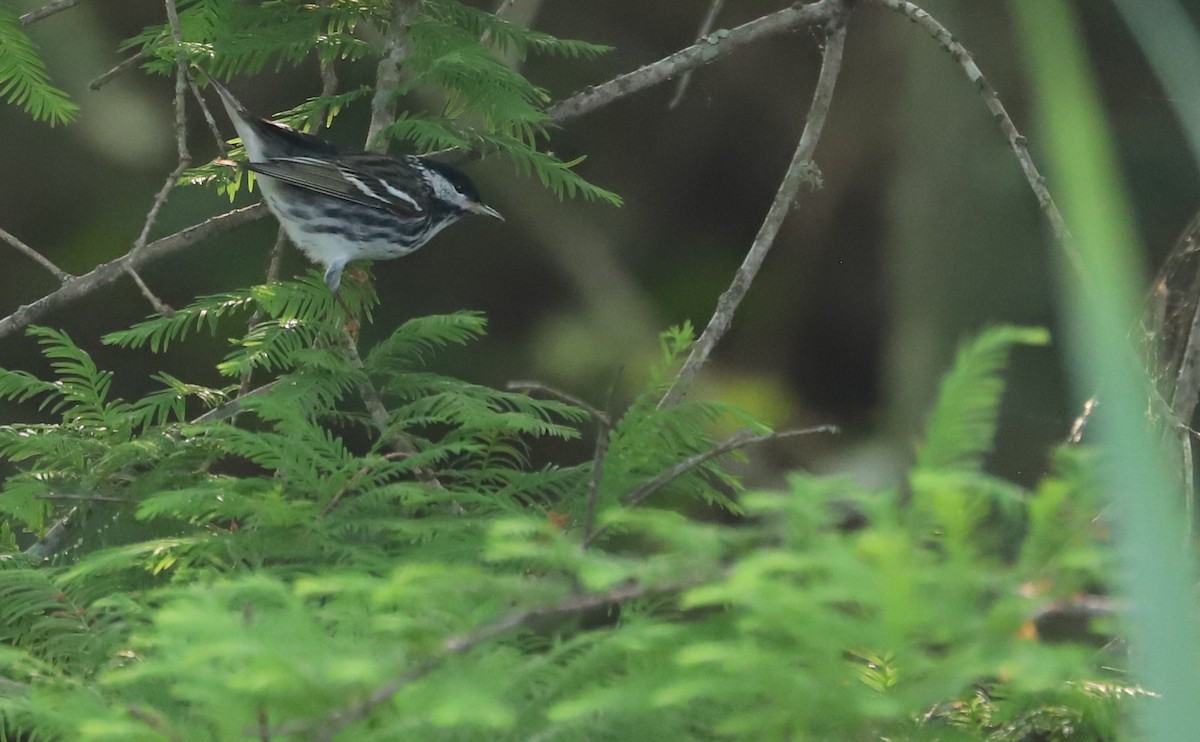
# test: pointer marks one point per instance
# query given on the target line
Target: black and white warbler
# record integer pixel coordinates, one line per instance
(338, 206)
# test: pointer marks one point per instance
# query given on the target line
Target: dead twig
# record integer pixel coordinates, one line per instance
(45, 11)
(119, 69)
(696, 55)
(107, 273)
(1016, 142)
(36, 256)
(799, 169)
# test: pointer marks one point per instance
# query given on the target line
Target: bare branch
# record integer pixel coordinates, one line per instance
(696, 55)
(800, 168)
(36, 256)
(222, 147)
(159, 305)
(185, 159)
(121, 68)
(710, 17)
(1037, 183)
(738, 440)
(46, 10)
(107, 273)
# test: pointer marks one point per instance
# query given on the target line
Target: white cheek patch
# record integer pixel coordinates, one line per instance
(445, 191)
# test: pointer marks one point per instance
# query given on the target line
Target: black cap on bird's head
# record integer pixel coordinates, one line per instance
(465, 195)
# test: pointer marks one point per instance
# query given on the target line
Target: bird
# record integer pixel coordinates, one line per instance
(338, 206)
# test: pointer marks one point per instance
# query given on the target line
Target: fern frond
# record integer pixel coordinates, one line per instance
(23, 78)
(963, 422)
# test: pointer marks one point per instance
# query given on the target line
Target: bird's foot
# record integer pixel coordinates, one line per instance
(356, 274)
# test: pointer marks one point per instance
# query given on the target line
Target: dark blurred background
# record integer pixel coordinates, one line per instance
(924, 232)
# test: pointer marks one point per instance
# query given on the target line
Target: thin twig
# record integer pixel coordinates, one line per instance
(46, 10)
(329, 727)
(1037, 183)
(738, 440)
(373, 401)
(82, 498)
(710, 17)
(213, 129)
(159, 305)
(234, 406)
(603, 438)
(696, 55)
(185, 159)
(36, 256)
(603, 427)
(571, 399)
(107, 273)
(119, 69)
(799, 169)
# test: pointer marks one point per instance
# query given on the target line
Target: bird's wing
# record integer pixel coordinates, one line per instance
(348, 179)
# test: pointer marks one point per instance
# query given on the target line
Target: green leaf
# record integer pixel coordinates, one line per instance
(963, 422)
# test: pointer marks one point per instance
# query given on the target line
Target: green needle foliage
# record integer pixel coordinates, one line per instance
(173, 570)
(23, 78)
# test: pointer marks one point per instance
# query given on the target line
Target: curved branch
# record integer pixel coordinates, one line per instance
(1037, 182)
(800, 168)
(706, 50)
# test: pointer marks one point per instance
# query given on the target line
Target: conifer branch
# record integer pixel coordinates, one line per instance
(800, 169)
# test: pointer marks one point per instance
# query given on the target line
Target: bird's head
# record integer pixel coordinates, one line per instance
(455, 190)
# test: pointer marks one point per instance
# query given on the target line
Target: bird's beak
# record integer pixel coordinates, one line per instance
(485, 210)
